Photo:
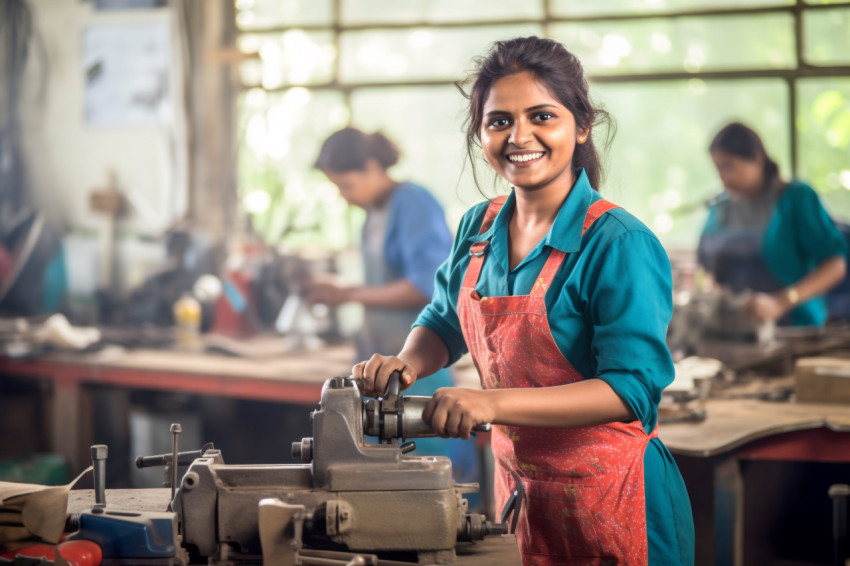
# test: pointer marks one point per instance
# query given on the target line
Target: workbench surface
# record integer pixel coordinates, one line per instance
(494, 551)
(731, 423)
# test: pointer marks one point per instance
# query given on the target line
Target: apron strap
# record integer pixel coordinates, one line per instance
(547, 274)
(478, 249)
(596, 210)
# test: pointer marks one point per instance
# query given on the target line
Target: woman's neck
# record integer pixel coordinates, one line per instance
(540, 207)
(382, 194)
(534, 214)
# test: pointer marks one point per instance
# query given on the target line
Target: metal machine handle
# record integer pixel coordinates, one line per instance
(394, 384)
(183, 458)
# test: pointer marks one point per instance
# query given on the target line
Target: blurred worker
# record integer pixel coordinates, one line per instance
(405, 239)
(769, 235)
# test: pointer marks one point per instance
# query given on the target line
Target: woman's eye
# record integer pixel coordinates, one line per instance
(543, 116)
(499, 123)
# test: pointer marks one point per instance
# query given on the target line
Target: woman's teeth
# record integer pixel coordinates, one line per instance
(525, 157)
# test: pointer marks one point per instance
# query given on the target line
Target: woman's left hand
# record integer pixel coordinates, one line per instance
(766, 307)
(453, 412)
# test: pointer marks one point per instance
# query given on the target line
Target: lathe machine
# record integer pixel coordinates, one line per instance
(346, 501)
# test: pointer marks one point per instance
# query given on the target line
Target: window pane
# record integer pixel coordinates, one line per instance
(261, 14)
(575, 8)
(682, 44)
(827, 36)
(294, 57)
(823, 134)
(659, 168)
(417, 53)
(437, 11)
(426, 125)
(281, 134)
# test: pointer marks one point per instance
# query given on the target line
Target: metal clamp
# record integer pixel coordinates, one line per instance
(478, 249)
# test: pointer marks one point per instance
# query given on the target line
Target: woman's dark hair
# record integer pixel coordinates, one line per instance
(555, 67)
(742, 141)
(349, 149)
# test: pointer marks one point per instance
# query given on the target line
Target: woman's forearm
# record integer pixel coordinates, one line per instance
(399, 294)
(425, 351)
(454, 412)
(584, 403)
(829, 273)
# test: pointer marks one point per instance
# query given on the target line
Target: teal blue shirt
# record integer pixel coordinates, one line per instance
(799, 235)
(608, 309)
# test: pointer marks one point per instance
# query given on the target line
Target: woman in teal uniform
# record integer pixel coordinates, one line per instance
(768, 235)
(563, 300)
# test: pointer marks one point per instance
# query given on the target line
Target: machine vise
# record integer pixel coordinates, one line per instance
(345, 495)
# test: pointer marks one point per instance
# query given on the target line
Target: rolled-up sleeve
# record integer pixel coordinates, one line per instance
(630, 305)
(815, 232)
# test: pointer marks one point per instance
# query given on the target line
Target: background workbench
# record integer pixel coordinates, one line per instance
(294, 377)
(757, 474)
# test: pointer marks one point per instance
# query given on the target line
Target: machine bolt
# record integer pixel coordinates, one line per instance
(190, 480)
(303, 450)
(99, 452)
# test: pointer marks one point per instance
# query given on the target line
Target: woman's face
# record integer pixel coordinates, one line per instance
(740, 176)
(527, 135)
(359, 187)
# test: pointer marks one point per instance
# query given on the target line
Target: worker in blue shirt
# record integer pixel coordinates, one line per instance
(768, 235)
(563, 300)
(405, 239)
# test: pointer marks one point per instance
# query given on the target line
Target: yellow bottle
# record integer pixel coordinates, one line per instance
(187, 318)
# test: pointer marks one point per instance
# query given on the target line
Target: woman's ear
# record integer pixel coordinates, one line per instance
(582, 135)
(373, 166)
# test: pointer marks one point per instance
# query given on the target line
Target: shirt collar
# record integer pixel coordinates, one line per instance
(565, 234)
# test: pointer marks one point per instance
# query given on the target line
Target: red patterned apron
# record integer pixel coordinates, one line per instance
(584, 487)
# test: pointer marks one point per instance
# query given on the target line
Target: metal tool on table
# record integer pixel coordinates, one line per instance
(124, 536)
(345, 500)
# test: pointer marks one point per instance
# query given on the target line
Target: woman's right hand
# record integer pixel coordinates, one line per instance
(374, 374)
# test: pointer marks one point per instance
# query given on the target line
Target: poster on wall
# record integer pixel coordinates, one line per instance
(126, 70)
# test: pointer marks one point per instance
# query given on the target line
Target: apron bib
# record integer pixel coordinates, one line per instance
(584, 487)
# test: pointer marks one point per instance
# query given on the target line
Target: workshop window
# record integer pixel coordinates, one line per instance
(671, 72)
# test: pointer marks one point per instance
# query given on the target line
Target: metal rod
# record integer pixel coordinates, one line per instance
(99, 452)
(176, 429)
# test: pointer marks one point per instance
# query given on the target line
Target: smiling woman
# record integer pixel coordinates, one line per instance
(572, 357)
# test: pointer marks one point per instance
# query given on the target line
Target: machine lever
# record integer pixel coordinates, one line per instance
(183, 458)
(394, 385)
(176, 429)
(514, 503)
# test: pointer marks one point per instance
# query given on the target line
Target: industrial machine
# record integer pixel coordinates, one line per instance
(345, 501)
(345, 494)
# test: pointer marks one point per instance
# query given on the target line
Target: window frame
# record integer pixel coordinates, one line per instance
(791, 76)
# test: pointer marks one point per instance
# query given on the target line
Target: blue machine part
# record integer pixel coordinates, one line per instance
(123, 534)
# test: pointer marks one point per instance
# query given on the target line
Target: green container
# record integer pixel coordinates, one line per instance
(41, 469)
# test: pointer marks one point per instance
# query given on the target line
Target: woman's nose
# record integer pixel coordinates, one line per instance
(520, 134)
